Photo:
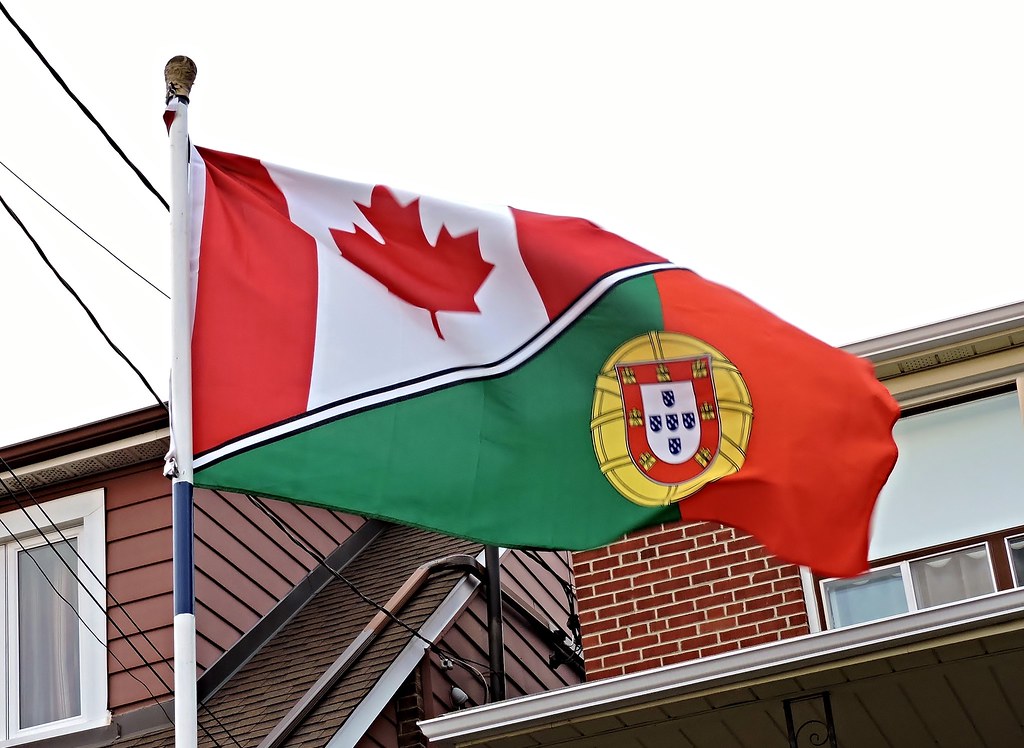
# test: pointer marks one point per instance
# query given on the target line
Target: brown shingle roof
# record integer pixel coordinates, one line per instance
(262, 692)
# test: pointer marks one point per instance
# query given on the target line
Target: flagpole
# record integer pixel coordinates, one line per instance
(179, 74)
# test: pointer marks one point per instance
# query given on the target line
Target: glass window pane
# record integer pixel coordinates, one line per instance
(952, 576)
(1016, 546)
(48, 646)
(978, 444)
(874, 595)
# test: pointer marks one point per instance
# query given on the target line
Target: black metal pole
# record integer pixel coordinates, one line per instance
(495, 635)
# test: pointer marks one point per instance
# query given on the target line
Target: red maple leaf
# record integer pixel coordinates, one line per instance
(442, 277)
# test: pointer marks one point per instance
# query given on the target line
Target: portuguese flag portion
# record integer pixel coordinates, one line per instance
(520, 379)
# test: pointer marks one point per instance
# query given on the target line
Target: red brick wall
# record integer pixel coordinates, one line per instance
(682, 591)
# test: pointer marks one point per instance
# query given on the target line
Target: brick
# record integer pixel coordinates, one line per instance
(786, 583)
(604, 672)
(741, 632)
(631, 543)
(615, 585)
(676, 609)
(633, 593)
(745, 567)
(775, 624)
(639, 630)
(632, 569)
(680, 633)
(641, 616)
(696, 643)
(636, 667)
(602, 650)
(742, 543)
(719, 649)
(760, 639)
(765, 576)
(620, 659)
(732, 583)
(617, 634)
(799, 621)
(661, 537)
(681, 545)
(676, 621)
(660, 650)
(668, 587)
(681, 657)
(756, 615)
(709, 601)
(689, 568)
(659, 601)
(605, 563)
(641, 642)
(704, 551)
(596, 602)
(620, 609)
(717, 624)
(754, 590)
(710, 575)
(592, 578)
(692, 593)
(790, 609)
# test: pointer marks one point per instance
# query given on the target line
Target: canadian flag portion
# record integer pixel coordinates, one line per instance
(408, 285)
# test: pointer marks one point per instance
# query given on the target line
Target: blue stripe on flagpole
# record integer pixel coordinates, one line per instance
(184, 595)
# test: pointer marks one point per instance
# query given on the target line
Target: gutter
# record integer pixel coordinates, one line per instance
(680, 681)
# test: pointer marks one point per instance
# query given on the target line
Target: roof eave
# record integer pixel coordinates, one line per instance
(677, 681)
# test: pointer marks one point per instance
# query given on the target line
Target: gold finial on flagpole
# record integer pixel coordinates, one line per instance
(179, 74)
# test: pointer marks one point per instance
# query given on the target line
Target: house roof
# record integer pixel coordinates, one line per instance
(942, 676)
(258, 697)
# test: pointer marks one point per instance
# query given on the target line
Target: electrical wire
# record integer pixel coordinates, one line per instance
(85, 307)
(85, 110)
(94, 240)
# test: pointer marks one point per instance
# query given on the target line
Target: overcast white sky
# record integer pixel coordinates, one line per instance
(857, 168)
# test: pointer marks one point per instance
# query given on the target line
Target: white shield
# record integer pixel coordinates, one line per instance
(670, 417)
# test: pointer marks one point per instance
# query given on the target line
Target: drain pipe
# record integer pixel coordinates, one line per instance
(495, 635)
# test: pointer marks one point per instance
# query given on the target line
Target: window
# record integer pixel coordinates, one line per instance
(910, 585)
(54, 655)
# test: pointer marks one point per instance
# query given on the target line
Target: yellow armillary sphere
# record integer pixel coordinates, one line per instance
(671, 414)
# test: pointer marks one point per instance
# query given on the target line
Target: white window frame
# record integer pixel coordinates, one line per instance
(1009, 559)
(83, 517)
(908, 582)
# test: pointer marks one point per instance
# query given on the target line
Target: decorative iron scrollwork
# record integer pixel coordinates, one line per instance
(818, 731)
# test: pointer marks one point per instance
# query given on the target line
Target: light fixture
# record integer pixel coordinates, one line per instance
(460, 699)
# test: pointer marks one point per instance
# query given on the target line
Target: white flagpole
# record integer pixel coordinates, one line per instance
(179, 74)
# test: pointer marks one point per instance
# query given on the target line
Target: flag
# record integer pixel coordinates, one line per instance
(520, 379)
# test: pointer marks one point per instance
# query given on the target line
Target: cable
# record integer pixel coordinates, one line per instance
(81, 303)
(101, 606)
(83, 107)
(95, 241)
(322, 561)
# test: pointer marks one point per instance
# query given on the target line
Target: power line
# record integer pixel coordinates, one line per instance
(85, 307)
(95, 241)
(83, 107)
